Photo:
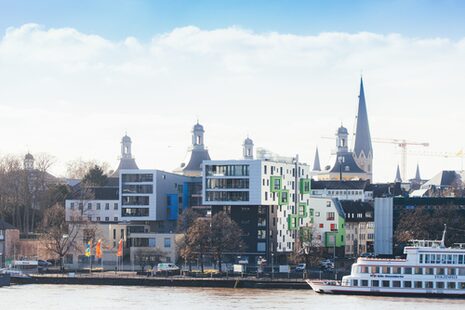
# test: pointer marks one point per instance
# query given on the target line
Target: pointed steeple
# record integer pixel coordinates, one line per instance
(316, 162)
(398, 178)
(362, 134)
(417, 174)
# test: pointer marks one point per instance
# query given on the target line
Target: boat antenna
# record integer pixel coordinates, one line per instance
(443, 245)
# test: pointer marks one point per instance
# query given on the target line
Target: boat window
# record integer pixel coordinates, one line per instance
(419, 270)
(429, 284)
(427, 259)
(375, 283)
(440, 271)
(354, 282)
(429, 270)
(376, 269)
(408, 284)
(385, 283)
(364, 269)
(461, 271)
(451, 285)
(460, 259)
(396, 270)
(449, 259)
(418, 284)
(386, 269)
(421, 258)
(455, 259)
(452, 271)
(443, 259)
(439, 284)
(395, 283)
(462, 285)
(407, 270)
(364, 282)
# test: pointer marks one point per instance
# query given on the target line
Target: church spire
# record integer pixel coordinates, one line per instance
(316, 162)
(362, 134)
(417, 173)
(398, 178)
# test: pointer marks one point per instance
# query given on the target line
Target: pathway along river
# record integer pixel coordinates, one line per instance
(66, 297)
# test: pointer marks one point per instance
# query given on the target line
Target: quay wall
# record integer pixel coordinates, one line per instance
(180, 282)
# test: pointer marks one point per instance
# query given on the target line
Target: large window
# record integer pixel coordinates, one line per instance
(139, 177)
(227, 170)
(135, 212)
(227, 183)
(135, 200)
(227, 196)
(138, 189)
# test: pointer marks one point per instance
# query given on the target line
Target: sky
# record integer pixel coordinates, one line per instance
(76, 75)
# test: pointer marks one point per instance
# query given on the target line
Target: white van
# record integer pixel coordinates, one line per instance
(167, 267)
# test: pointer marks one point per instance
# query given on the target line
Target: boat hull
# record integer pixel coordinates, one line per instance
(322, 288)
(5, 280)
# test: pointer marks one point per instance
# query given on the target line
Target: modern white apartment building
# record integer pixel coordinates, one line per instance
(260, 194)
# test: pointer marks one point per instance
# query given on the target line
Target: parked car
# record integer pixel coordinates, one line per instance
(327, 264)
(301, 267)
(368, 254)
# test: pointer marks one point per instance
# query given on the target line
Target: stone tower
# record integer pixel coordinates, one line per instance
(247, 149)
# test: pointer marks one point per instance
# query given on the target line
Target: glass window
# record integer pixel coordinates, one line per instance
(439, 284)
(107, 206)
(407, 270)
(375, 283)
(354, 282)
(418, 270)
(89, 206)
(167, 242)
(386, 283)
(98, 205)
(429, 284)
(440, 271)
(364, 283)
(418, 284)
(408, 284)
(115, 206)
(451, 285)
(395, 283)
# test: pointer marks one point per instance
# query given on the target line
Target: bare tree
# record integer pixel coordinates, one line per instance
(185, 221)
(60, 237)
(78, 168)
(148, 257)
(226, 236)
(198, 239)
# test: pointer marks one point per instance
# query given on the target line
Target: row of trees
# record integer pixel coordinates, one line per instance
(201, 237)
(25, 194)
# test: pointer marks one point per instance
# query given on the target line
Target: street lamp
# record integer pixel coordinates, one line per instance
(272, 266)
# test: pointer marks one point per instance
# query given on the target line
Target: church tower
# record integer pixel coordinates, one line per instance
(341, 140)
(197, 136)
(363, 151)
(28, 162)
(126, 160)
(247, 149)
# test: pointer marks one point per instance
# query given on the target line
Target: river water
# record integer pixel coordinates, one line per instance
(65, 297)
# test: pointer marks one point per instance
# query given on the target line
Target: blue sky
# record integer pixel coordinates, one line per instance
(66, 64)
(117, 19)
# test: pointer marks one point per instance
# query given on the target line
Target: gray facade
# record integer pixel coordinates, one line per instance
(384, 225)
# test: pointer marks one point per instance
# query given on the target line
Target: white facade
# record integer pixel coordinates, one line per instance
(344, 194)
(272, 183)
(93, 210)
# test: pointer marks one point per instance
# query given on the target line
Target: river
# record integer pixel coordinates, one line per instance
(65, 297)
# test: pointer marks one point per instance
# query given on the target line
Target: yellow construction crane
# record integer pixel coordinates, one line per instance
(402, 143)
(459, 154)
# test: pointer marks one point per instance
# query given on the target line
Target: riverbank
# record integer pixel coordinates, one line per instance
(131, 279)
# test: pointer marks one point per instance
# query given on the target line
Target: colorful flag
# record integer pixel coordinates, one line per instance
(88, 249)
(98, 249)
(120, 248)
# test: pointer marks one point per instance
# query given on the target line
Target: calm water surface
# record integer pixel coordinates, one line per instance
(65, 297)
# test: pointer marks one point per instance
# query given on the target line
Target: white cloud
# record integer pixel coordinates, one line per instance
(74, 94)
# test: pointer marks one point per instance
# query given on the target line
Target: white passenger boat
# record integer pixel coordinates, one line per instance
(429, 269)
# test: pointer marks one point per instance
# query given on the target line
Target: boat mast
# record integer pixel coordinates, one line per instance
(443, 244)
